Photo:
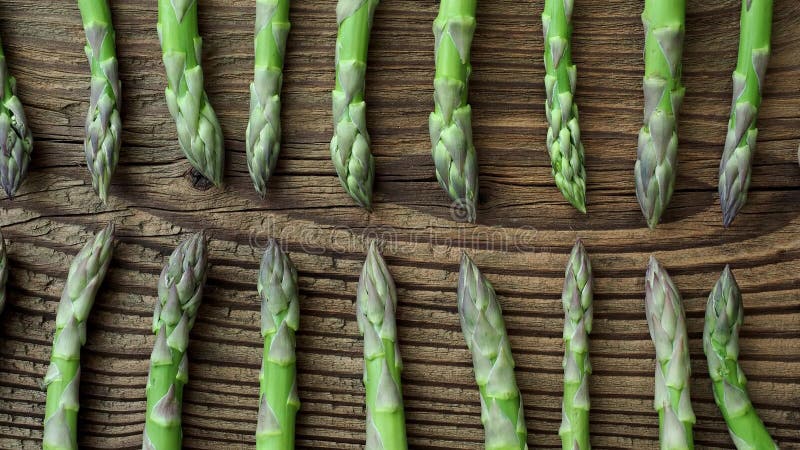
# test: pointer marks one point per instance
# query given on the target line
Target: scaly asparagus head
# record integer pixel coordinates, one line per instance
(3, 272)
(16, 141)
(667, 323)
(180, 291)
(724, 318)
(350, 150)
(62, 380)
(484, 329)
(280, 319)
(263, 136)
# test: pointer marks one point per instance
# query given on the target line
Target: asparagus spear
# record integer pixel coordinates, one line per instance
(748, 82)
(199, 132)
(103, 126)
(450, 123)
(482, 322)
(3, 272)
(350, 144)
(564, 135)
(180, 291)
(264, 128)
(85, 276)
(657, 156)
(16, 141)
(724, 317)
(280, 318)
(577, 301)
(375, 310)
(667, 322)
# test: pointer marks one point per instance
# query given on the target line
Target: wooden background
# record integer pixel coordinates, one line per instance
(526, 229)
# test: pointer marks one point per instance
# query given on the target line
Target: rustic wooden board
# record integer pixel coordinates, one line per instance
(522, 241)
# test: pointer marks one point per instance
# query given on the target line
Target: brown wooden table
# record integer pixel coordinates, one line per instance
(526, 229)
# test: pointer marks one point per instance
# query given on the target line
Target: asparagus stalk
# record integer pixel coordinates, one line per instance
(3, 272)
(667, 322)
(657, 156)
(264, 128)
(748, 82)
(724, 317)
(350, 144)
(280, 318)
(199, 132)
(16, 141)
(85, 276)
(577, 301)
(103, 125)
(450, 123)
(482, 323)
(564, 134)
(375, 310)
(180, 291)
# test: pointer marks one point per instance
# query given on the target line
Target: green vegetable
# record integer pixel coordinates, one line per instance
(451, 121)
(280, 318)
(748, 82)
(564, 134)
(199, 132)
(264, 128)
(3, 272)
(16, 141)
(103, 126)
(667, 322)
(375, 310)
(482, 322)
(577, 301)
(85, 276)
(657, 157)
(180, 291)
(724, 317)
(350, 144)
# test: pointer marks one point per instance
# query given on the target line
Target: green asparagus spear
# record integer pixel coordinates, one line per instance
(482, 322)
(657, 156)
(103, 125)
(667, 322)
(63, 377)
(724, 317)
(450, 123)
(264, 128)
(350, 144)
(180, 291)
(16, 141)
(3, 272)
(577, 301)
(748, 82)
(280, 318)
(375, 310)
(564, 134)
(199, 132)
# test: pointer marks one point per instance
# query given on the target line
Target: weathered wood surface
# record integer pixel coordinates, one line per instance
(525, 231)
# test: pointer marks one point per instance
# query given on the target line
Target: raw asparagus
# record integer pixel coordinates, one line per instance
(657, 155)
(3, 272)
(724, 317)
(376, 303)
(103, 125)
(482, 323)
(180, 291)
(264, 128)
(450, 123)
(577, 301)
(199, 132)
(280, 318)
(85, 276)
(564, 134)
(667, 322)
(350, 144)
(748, 82)
(16, 141)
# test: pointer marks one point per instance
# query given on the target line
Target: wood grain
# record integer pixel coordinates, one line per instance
(526, 229)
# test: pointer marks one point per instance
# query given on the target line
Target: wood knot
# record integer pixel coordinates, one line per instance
(197, 180)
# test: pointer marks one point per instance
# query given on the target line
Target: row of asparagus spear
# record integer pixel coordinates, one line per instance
(180, 293)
